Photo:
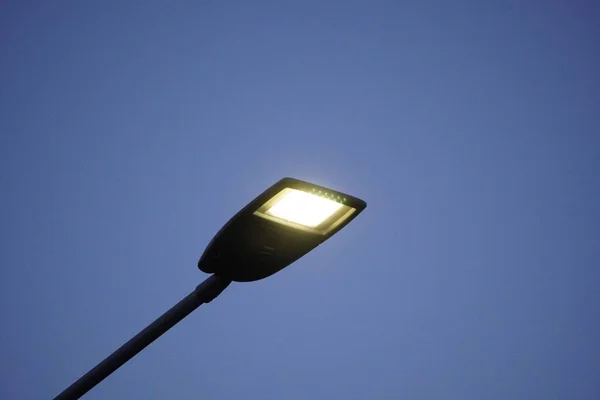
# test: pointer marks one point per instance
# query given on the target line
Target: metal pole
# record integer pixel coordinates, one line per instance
(204, 293)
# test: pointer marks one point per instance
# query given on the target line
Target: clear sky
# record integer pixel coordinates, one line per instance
(130, 131)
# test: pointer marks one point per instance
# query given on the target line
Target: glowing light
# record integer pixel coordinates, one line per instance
(303, 208)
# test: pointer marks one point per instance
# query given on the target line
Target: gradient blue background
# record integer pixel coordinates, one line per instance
(131, 131)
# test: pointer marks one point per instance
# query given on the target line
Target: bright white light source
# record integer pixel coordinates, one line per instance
(303, 208)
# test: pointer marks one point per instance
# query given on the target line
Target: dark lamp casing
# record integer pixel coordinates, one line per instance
(250, 247)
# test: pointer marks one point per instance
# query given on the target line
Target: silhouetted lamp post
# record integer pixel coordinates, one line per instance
(285, 222)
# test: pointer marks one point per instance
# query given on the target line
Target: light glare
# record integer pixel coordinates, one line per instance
(303, 208)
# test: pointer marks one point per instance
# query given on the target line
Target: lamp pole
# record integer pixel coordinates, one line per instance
(204, 293)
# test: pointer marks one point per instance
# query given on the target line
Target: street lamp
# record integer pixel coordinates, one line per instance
(286, 221)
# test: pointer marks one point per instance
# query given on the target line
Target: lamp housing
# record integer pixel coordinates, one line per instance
(282, 224)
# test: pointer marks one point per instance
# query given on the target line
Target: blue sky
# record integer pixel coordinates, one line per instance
(131, 131)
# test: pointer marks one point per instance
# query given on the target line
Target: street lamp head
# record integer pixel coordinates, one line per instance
(282, 224)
